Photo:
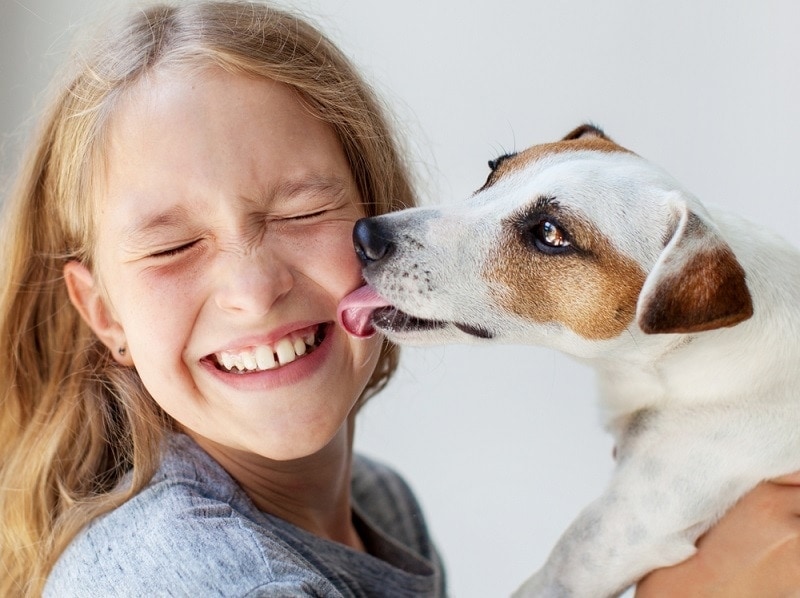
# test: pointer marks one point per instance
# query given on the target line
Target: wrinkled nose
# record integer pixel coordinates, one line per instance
(251, 282)
(372, 240)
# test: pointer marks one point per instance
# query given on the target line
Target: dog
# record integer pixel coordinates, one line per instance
(690, 316)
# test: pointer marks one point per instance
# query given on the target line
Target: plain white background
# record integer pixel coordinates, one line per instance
(502, 444)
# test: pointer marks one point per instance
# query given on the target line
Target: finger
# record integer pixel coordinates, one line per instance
(792, 479)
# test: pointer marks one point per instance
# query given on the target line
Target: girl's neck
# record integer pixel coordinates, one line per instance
(312, 493)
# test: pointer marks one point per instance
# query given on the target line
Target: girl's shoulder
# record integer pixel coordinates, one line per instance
(384, 497)
(193, 531)
(187, 533)
(391, 516)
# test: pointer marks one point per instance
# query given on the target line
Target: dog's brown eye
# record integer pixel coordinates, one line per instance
(540, 229)
(549, 235)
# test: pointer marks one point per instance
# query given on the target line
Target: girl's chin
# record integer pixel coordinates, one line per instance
(303, 443)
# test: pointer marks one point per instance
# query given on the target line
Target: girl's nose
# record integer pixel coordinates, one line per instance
(251, 283)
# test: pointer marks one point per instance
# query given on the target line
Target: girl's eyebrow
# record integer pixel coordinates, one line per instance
(150, 224)
(311, 184)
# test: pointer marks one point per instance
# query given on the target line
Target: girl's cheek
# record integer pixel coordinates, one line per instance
(327, 255)
(182, 276)
(346, 264)
(164, 294)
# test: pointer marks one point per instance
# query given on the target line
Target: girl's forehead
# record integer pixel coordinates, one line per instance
(188, 112)
(180, 135)
(175, 91)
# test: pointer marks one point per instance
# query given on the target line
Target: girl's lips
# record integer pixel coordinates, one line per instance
(291, 372)
(260, 356)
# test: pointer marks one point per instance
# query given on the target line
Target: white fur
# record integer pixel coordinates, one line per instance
(698, 419)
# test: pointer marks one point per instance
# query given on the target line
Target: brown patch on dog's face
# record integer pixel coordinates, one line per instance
(583, 282)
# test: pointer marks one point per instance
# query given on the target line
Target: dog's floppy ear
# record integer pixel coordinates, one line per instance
(696, 285)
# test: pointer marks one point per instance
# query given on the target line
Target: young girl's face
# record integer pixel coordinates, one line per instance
(223, 248)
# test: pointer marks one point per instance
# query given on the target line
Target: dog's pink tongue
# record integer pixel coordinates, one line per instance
(356, 308)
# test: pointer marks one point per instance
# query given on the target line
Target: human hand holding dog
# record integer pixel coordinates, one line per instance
(754, 550)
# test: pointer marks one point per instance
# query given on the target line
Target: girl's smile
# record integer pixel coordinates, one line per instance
(268, 356)
(261, 366)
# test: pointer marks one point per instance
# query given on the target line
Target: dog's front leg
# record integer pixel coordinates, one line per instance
(677, 473)
(671, 484)
(606, 549)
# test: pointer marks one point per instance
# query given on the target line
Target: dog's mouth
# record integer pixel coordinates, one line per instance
(364, 311)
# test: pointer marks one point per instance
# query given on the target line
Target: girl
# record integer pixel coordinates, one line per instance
(178, 401)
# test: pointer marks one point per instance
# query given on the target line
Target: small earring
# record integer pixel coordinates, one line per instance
(122, 351)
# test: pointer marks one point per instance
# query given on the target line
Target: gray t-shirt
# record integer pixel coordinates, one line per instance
(194, 532)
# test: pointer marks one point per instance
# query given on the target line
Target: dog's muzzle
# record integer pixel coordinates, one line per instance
(364, 310)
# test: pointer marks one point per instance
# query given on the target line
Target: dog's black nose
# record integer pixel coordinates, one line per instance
(371, 240)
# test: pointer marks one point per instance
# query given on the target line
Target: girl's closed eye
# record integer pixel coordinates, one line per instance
(317, 214)
(174, 251)
(309, 215)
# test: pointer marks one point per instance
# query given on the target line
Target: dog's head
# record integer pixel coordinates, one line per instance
(580, 238)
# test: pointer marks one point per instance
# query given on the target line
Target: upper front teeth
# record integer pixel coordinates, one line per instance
(266, 357)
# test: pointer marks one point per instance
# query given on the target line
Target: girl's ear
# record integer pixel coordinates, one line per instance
(87, 298)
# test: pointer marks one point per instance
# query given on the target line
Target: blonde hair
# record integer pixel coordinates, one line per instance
(72, 421)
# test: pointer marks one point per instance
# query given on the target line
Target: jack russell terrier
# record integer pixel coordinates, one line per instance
(690, 316)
